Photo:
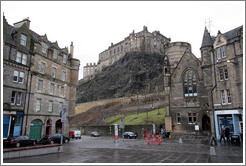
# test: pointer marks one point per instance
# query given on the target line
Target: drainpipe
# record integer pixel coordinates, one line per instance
(213, 137)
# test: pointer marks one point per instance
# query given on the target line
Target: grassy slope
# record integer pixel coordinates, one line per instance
(141, 118)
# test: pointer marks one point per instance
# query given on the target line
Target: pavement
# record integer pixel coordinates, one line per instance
(104, 149)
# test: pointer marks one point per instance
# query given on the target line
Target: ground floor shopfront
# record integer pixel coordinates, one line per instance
(12, 123)
(38, 126)
(231, 118)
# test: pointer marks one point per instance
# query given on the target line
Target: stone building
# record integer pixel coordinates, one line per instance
(209, 92)
(17, 50)
(143, 41)
(50, 78)
(89, 70)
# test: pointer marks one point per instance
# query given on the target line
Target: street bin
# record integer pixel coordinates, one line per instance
(235, 140)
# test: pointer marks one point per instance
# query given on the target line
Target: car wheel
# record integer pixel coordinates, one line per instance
(66, 140)
(18, 145)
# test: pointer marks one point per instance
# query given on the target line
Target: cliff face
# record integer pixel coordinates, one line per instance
(135, 73)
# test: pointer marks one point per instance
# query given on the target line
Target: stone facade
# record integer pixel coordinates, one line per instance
(89, 70)
(51, 78)
(211, 96)
(143, 41)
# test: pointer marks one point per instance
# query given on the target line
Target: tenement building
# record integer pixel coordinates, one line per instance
(89, 70)
(40, 80)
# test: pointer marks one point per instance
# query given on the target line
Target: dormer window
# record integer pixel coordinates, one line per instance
(190, 84)
(44, 47)
(23, 40)
(55, 54)
(64, 58)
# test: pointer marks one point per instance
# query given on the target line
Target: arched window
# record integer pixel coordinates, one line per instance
(190, 84)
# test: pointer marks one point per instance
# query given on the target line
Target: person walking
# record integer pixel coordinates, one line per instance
(222, 133)
(227, 134)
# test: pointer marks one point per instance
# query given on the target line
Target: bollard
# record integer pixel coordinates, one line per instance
(212, 151)
(180, 140)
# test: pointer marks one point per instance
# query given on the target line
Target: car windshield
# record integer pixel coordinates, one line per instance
(130, 133)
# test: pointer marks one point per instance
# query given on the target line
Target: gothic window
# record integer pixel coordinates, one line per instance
(190, 84)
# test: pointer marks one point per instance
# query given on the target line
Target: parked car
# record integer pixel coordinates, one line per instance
(129, 135)
(19, 141)
(54, 138)
(77, 134)
(95, 134)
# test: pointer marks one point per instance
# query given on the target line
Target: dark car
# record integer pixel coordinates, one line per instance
(19, 141)
(130, 135)
(95, 134)
(54, 138)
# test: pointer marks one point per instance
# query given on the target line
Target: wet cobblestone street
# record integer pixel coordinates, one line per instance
(105, 150)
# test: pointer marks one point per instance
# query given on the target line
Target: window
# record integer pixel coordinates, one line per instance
(178, 118)
(16, 98)
(60, 106)
(52, 88)
(191, 118)
(21, 58)
(44, 47)
(63, 76)
(40, 85)
(221, 52)
(64, 58)
(223, 72)
(23, 40)
(62, 91)
(225, 96)
(38, 105)
(228, 93)
(53, 72)
(50, 106)
(55, 54)
(42, 69)
(18, 76)
(190, 84)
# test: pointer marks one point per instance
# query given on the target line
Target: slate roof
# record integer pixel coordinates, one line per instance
(206, 40)
(232, 35)
(9, 38)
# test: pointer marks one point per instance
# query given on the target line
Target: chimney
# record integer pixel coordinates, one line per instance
(145, 28)
(20, 23)
(71, 49)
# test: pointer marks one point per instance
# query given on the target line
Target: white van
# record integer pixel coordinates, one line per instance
(77, 134)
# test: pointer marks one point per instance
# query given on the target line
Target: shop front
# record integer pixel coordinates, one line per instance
(230, 118)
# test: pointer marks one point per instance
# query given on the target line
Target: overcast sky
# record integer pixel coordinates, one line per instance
(93, 25)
